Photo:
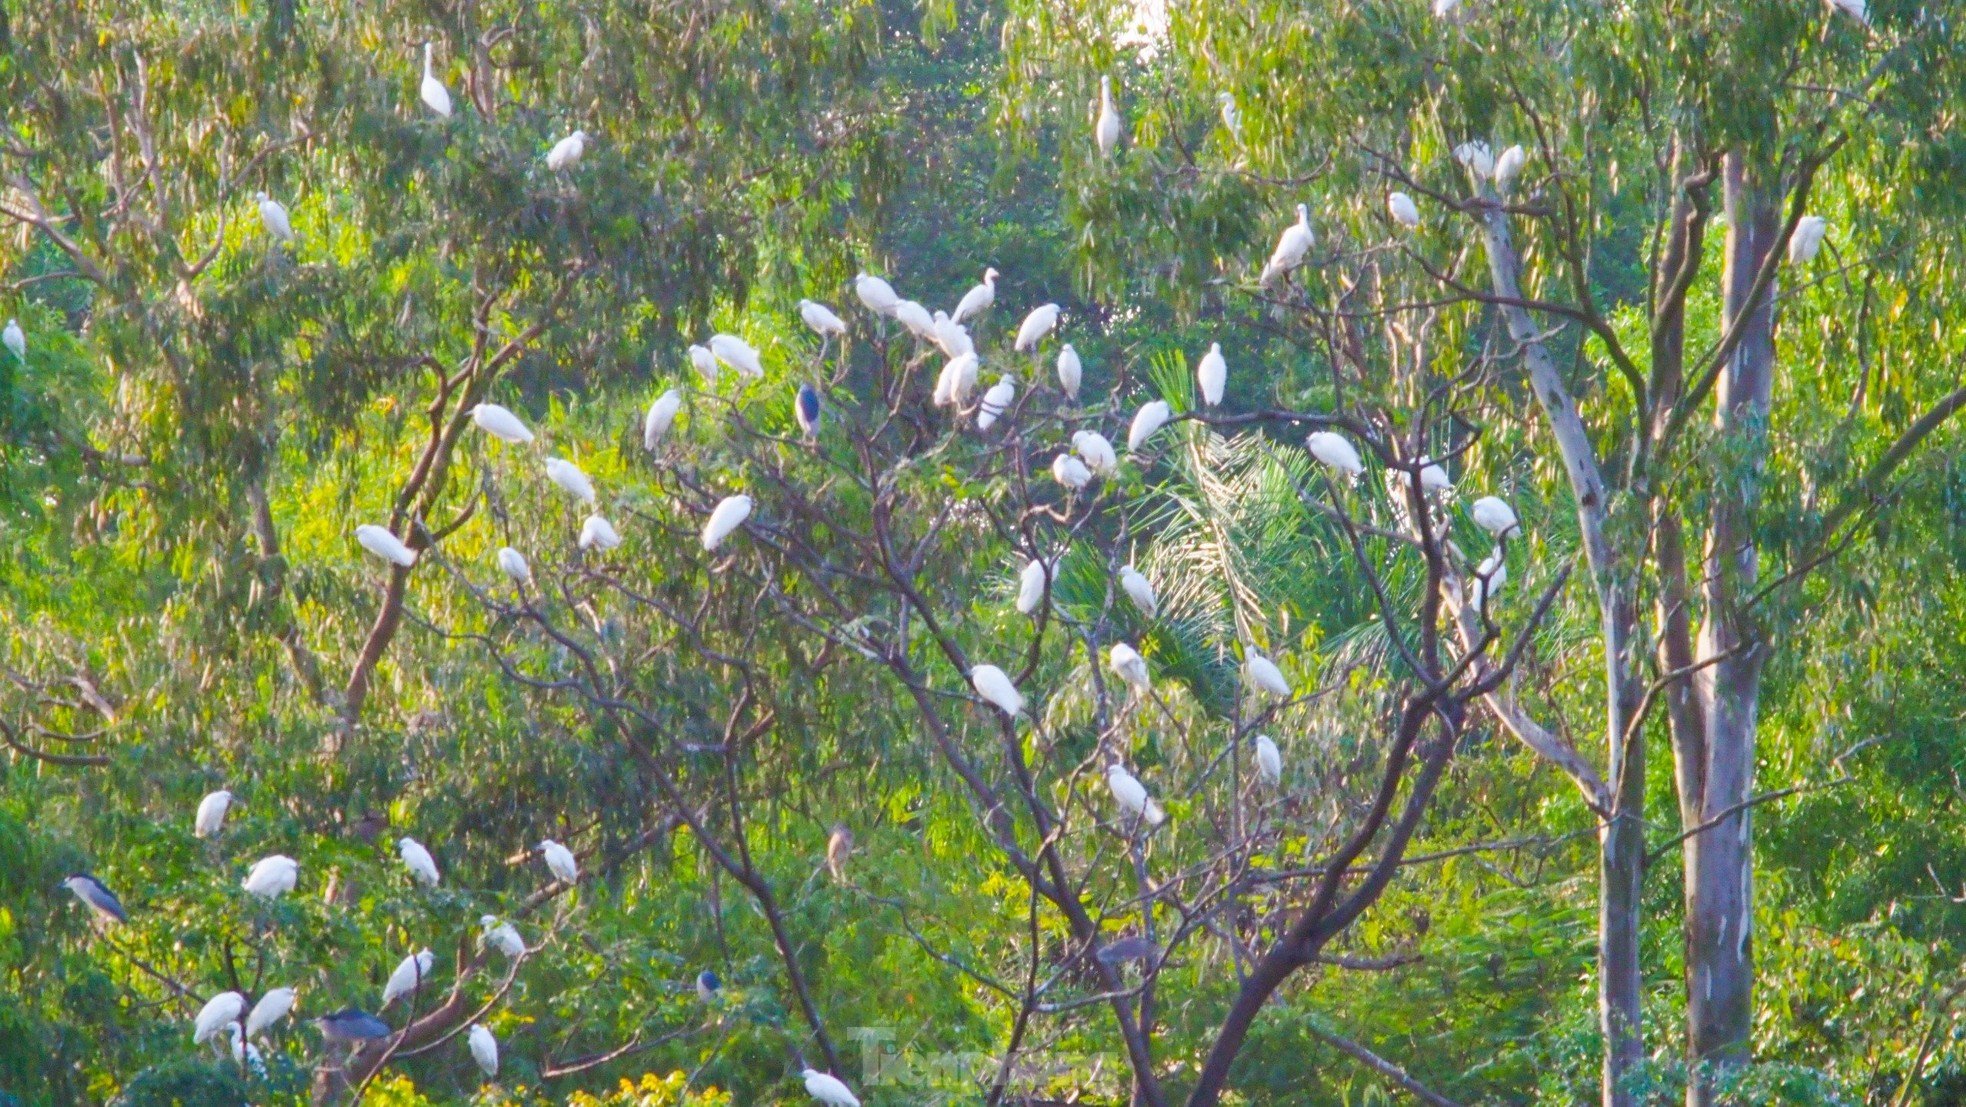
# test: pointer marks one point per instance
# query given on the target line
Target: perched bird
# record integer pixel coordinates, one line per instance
(272, 877)
(996, 401)
(502, 936)
(1265, 675)
(271, 1008)
(1269, 760)
(96, 896)
(380, 542)
(1331, 448)
(1211, 374)
(484, 1049)
(408, 976)
(211, 813)
(1403, 210)
(709, 986)
(951, 337)
(1508, 167)
(727, 517)
(350, 1025)
(418, 861)
(1131, 667)
(828, 1089)
(1807, 239)
(1097, 452)
(1292, 246)
(1132, 795)
(501, 424)
(705, 363)
(1231, 115)
(915, 318)
(1070, 370)
(738, 354)
(513, 564)
(978, 299)
(1151, 417)
(570, 478)
(1030, 586)
(1446, 9)
(566, 153)
(839, 844)
(1477, 158)
(806, 409)
(1035, 326)
(1070, 472)
(957, 379)
(596, 533)
(16, 340)
(559, 861)
(993, 685)
(244, 1052)
(1140, 590)
(435, 95)
(877, 294)
(1106, 130)
(821, 319)
(273, 216)
(661, 416)
(1489, 577)
(1133, 947)
(222, 1008)
(1433, 478)
(1858, 10)
(1494, 515)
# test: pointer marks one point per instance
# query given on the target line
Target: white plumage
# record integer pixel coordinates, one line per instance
(501, 424)
(1858, 10)
(484, 1049)
(1446, 9)
(380, 542)
(957, 379)
(1807, 239)
(244, 1052)
(273, 216)
(408, 977)
(1212, 373)
(727, 517)
(661, 416)
(1508, 167)
(1475, 155)
(502, 936)
(978, 299)
(271, 1008)
(1131, 667)
(222, 1008)
(418, 861)
(1035, 326)
(915, 318)
(994, 686)
(1132, 795)
(435, 95)
(1489, 577)
(1404, 211)
(570, 478)
(1030, 586)
(1494, 515)
(211, 813)
(1071, 371)
(1231, 115)
(16, 340)
(705, 363)
(1269, 760)
(1097, 451)
(596, 533)
(1334, 451)
(1433, 478)
(1140, 590)
(1106, 131)
(877, 294)
(997, 401)
(737, 353)
(566, 153)
(1292, 245)
(1151, 417)
(560, 861)
(1264, 674)
(951, 337)
(828, 1089)
(821, 319)
(1070, 472)
(272, 877)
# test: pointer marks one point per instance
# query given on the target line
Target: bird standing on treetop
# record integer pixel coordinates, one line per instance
(1494, 515)
(418, 861)
(408, 976)
(1035, 326)
(96, 896)
(1151, 417)
(566, 153)
(821, 319)
(1331, 448)
(1403, 210)
(1070, 370)
(727, 517)
(272, 877)
(877, 294)
(435, 95)
(993, 685)
(1212, 374)
(1132, 795)
(484, 1049)
(1292, 245)
(222, 1008)
(273, 216)
(1106, 131)
(560, 861)
(662, 414)
(1140, 590)
(978, 299)
(211, 813)
(16, 340)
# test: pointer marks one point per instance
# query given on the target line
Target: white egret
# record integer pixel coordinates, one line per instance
(1807, 239)
(839, 847)
(807, 410)
(380, 542)
(1071, 371)
(350, 1025)
(502, 936)
(596, 533)
(661, 416)
(1070, 472)
(915, 318)
(272, 877)
(418, 861)
(1151, 417)
(16, 340)
(560, 861)
(484, 1049)
(828, 1089)
(705, 363)
(1030, 586)
(978, 299)
(1106, 131)
(1212, 373)
(1132, 795)
(408, 977)
(1035, 326)
(738, 354)
(951, 337)
(271, 1008)
(1489, 577)
(273, 216)
(566, 153)
(1494, 515)
(571, 479)
(1292, 245)
(1858, 10)
(1269, 760)
(222, 1008)
(1508, 167)
(727, 517)
(1097, 452)
(244, 1052)
(1476, 157)
(1265, 675)
(1140, 590)
(1433, 478)
(1231, 115)
(821, 319)
(96, 896)
(877, 294)
(957, 379)
(1131, 667)
(435, 95)
(994, 685)
(997, 401)
(1446, 9)
(211, 813)
(1404, 211)
(1335, 452)
(501, 424)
